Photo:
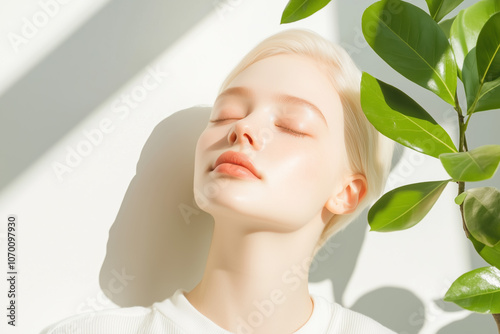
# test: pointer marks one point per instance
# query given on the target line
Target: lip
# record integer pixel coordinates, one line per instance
(236, 158)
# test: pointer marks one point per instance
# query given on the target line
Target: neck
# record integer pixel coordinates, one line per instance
(256, 281)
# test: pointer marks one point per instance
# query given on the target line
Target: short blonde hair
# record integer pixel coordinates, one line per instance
(368, 152)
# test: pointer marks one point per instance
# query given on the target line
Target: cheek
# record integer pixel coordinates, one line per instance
(205, 141)
(320, 172)
(201, 159)
(299, 186)
(301, 169)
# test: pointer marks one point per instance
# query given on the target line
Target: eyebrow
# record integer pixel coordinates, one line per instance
(281, 98)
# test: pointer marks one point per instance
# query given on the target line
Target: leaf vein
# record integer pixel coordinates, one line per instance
(423, 59)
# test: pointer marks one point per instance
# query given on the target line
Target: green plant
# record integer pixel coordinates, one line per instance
(433, 53)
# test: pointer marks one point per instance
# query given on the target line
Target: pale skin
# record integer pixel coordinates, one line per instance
(266, 228)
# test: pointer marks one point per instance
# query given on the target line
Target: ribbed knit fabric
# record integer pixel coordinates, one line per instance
(175, 315)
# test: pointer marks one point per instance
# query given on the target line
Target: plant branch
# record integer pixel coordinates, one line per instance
(465, 129)
(457, 105)
(461, 188)
(467, 122)
(496, 316)
(462, 147)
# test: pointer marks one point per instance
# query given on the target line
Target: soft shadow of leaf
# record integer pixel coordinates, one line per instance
(447, 306)
(395, 308)
(471, 324)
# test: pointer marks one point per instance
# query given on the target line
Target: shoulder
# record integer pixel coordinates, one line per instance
(110, 321)
(346, 321)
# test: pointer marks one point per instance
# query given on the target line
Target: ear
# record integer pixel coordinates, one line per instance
(347, 199)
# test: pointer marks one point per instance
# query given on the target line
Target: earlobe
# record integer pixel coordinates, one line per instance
(347, 200)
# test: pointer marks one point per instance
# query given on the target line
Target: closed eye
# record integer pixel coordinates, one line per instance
(292, 132)
(221, 120)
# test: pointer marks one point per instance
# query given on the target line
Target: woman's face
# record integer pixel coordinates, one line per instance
(297, 147)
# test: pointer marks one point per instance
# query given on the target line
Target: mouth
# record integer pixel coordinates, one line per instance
(236, 164)
(235, 170)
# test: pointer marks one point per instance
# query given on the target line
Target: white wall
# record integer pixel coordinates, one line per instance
(117, 207)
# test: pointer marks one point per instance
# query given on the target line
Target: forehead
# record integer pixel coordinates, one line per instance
(292, 75)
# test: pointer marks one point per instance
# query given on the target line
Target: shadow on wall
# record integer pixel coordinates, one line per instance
(94, 62)
(160, 236)
(471, 324)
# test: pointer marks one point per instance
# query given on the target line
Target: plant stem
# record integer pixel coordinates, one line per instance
(462, 147)
(461, 188)
(497, 320)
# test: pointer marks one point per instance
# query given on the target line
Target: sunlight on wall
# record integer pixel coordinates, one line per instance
(31, 29)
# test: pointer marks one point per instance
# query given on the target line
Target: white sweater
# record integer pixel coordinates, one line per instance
(176, 315)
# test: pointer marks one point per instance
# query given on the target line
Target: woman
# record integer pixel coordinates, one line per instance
(295, 160)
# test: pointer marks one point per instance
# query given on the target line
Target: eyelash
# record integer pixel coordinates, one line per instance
(292, 132)
(288, 130)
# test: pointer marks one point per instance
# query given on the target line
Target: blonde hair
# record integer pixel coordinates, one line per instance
(368, 152)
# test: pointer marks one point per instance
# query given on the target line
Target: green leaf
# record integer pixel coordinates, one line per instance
(482, 215)
(412, 43)
(478, 290)
(487, 98)
(439, 8)
(466, 27)
(489, 254)
(475, 165)
(404, 207)
(480, 97)
(446, 26)
(397, 116)
(460, 198)
(488, 50)
(297, 10)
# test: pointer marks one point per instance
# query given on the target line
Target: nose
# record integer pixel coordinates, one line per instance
(245, 134)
